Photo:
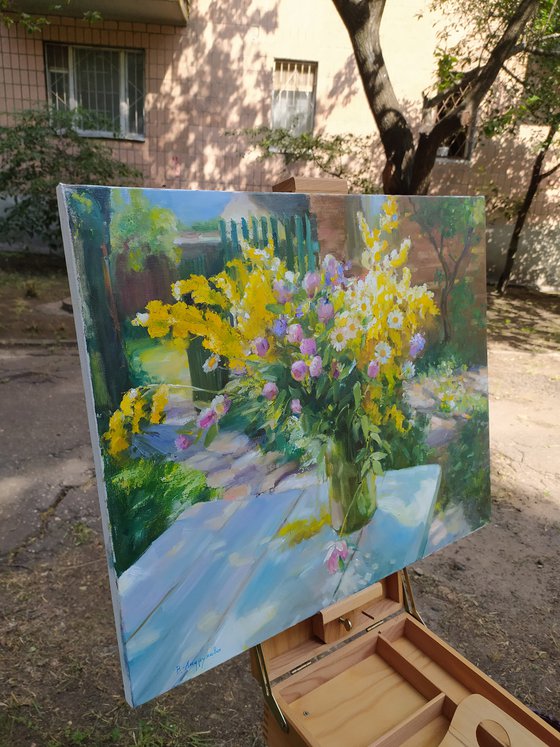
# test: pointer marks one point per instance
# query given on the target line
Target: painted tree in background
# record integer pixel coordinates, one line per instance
(410, 159)
(140, 229)
(453, 228)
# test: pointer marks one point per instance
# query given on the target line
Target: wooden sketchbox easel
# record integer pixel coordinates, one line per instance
(366, 671)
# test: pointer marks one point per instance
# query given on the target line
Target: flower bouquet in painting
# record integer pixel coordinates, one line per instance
(316, 361)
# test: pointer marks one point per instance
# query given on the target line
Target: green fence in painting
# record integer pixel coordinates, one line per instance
(292, 237)
(293, 243)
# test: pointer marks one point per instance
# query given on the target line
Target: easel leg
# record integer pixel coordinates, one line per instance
(409, 602)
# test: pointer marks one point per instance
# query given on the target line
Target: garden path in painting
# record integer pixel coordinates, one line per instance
(288, 401)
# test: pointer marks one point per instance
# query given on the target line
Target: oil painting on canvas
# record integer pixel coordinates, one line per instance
(288, 401)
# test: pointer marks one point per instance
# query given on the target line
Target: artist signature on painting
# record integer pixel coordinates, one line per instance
(198, 663)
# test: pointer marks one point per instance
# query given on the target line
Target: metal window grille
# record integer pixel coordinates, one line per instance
(293, 98)
(460, 145)
(106, 85)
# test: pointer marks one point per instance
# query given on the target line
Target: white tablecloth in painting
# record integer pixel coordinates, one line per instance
(221, 579)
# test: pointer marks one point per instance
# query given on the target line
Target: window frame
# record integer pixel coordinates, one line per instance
(124, 105)
(314, 67)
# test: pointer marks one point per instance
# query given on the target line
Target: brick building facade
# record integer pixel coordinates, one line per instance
(175, 90)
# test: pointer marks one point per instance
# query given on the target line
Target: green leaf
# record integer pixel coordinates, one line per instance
(357, 390)
(322, 385)
(366, 426)
(211, 435)
(377, 468)
(275, 308)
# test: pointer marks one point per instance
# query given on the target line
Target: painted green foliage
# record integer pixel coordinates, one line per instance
(145, 497)
(140, 229)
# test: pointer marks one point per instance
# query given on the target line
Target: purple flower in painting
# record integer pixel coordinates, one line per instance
(270, 391)
(283, 295)
(261, 346)
(335, 557)
(334, 272)
(299, 312)
(280, 326)
(299, 370)
(308, 346)
(316, 367)
(311, 283)
(373, 369)
(417, 343)
(325, 311)
(295, 334)
(207, 418)
(295, 406)
(183, 442)
(239, 371)
(335, 370)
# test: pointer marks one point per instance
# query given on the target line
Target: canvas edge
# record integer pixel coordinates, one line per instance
(76, 297)
(484, 272)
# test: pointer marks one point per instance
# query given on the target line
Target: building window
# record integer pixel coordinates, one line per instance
(293, 98)
(460, 145)
(105, 85)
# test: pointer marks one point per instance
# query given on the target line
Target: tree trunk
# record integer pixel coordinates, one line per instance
(409, 165)
(536, 178)
(362, 19)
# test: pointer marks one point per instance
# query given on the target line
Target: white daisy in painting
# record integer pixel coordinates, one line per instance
(339, 338)
(395, 319)
(383, 352)
(353, 328)
(408, 370)
(141, 319)
(211, 364)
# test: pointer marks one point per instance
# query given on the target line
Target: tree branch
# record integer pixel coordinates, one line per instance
(546, 174)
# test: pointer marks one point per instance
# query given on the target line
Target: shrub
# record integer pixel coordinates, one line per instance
(41, 149)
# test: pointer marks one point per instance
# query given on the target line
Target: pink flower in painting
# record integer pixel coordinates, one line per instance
(295, 334)
(270, 390)
(261, 346)
(311, 282)
(295, 406)
(325, 311)
(299, 370)
(373, 369)
(282, 293)
(316, 367)
(183, 442)
(335, 557)
(308, 346)
(207, 418)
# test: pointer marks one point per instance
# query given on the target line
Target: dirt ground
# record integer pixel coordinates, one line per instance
(495, 595)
